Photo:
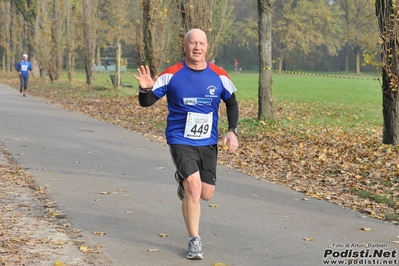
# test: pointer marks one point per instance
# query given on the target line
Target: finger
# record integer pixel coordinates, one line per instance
(233, 148)
(139, 71)
(143, 69)
(146, 70)
(136, 77)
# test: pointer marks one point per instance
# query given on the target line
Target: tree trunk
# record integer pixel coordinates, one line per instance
(11, 61)
(7, 29)
(280, 63)
(98, 56)
(387, 14)
(89, 32)
(357, 52)
(148, 30)
(118, 65)
(265, 99)
(390, 108)
(55, 64)
(69, 43)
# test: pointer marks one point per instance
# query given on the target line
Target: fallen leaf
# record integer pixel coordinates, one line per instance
(164, 235)
(129, 211)
(59, 242)
(59, 263)
(219, 264)
(213, 205)
(308, 239)
(366, 229)
(86, 249)
(55, 213)
(99, 233)
(105, 192)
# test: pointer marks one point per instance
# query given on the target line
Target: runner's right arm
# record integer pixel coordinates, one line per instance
(147, 99)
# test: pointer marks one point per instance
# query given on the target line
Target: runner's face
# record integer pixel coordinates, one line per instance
(196, 46)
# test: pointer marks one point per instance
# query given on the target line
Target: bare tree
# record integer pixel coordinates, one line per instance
(387, 12)
(154, 34)
(213, 17)
(57, 21)
(90, 35)
(5, 38)
(49, 37)
(265, 99)
(28, 10)
(71, 10)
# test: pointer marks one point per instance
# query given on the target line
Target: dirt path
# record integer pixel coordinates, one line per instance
(32, 230)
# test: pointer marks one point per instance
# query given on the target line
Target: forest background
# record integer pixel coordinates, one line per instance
(307, 35)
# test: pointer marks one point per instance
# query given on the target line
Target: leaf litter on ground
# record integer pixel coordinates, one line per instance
(33, 231)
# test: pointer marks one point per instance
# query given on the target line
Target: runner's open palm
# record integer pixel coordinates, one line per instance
(144, 77)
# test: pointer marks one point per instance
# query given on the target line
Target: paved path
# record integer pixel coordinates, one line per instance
(256, 223)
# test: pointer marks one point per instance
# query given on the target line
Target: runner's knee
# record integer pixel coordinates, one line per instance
(207, 191)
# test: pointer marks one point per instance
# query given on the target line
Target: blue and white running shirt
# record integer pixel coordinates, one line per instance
(193, 102)
(24, 67)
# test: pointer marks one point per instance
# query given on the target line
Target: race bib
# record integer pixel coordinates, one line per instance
(198, 126)
(24, 68)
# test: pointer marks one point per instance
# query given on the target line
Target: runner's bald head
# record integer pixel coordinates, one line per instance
(195, 31)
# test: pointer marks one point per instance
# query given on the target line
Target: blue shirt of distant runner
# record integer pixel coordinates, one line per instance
(24, 67)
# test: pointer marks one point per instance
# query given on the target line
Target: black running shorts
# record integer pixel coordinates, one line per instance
(190, 159)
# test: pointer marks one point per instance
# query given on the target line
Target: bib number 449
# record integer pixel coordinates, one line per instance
(200, 129)
(198, 126)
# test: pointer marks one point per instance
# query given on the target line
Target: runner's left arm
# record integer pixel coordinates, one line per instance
(232, 111)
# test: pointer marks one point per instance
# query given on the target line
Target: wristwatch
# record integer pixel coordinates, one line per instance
(234, 130)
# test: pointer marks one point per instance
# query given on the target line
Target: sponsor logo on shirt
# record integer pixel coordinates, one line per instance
(197, 101)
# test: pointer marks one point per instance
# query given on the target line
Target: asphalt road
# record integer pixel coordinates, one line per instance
(111, 180)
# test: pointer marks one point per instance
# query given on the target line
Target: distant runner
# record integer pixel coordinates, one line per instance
(24, 68)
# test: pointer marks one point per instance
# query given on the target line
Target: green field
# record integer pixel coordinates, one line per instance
(314, 99)
(324, 100)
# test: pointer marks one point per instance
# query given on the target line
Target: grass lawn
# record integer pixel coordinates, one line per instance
(319, 100)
